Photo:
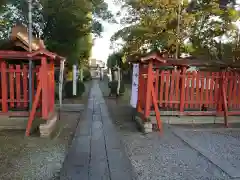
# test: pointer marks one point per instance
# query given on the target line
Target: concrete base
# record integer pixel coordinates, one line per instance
(17, 123)
(195, 119)
(49, 127)
(150, 126)
(70, 107)
(145, 127)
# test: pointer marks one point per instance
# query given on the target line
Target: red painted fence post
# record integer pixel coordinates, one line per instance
(44, 81)
(157, 83)
(18, 85)
(182, 91)
(219, 97)
(224, 98)
(140, 88)
(148, 93)
(53, 86)
(25, 86)
(11, 85)
(4, 85)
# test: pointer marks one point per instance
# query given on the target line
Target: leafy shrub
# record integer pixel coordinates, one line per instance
(69, 89)
(87, 75)
(56, 91)
(113, 87)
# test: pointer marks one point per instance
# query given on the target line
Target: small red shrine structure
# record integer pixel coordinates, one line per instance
(167, 87)
(14, 69)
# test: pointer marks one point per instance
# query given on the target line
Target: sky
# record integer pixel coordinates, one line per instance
(101, 48)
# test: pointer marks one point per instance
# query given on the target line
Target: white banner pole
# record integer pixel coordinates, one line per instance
(74, 80)
(60, 87)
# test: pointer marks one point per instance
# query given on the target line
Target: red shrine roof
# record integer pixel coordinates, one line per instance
(154, 56)
(164, 59)
(18, 45)
(6, 54)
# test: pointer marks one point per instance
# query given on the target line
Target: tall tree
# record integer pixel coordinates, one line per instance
(153, 24)
(66, 26)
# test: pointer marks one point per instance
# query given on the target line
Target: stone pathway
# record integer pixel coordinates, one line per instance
(96, 152)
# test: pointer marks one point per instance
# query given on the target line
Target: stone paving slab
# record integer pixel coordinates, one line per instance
(221, 148)
(96, 152)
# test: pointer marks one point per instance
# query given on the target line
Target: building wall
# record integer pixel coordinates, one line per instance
(95, 67)
(94, 63)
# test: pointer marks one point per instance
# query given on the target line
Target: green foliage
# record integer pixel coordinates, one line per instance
(87, 75)
(153, 24)
(114, 60)
(68, 88)
(65, 25)
(118, 59)
(113, 87)
(56, 90)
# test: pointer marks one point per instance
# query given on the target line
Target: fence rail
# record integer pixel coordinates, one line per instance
(183, 91)
(14, 91)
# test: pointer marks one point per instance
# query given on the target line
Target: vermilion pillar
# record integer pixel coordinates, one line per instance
(149, 85)
(52, 86)
(44, 80)
(182, 91)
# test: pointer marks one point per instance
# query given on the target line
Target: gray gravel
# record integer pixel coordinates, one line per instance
(232, 133)
(167, 157)
(35, 158)
(31, 158)
(221, 144)
(156, 157)
(38, 158)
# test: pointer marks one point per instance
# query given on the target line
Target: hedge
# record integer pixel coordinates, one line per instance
(113, 87)
(68, 88)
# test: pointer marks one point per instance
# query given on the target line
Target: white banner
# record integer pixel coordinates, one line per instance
(134, 95)
(74, 80)
(61, 82)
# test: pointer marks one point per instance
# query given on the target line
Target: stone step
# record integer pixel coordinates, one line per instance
(145, 127)
(13, 122)
(195, 119)
(70, 107)
(151, 125)
(49, 126)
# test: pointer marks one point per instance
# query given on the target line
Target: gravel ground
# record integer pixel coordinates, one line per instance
(37, 158)
(34, 157)
(220, 144)
(167, 157)
(158, 157)
(233, 133)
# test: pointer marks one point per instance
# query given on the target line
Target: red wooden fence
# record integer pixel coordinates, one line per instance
(191, 93)
(14, 100)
